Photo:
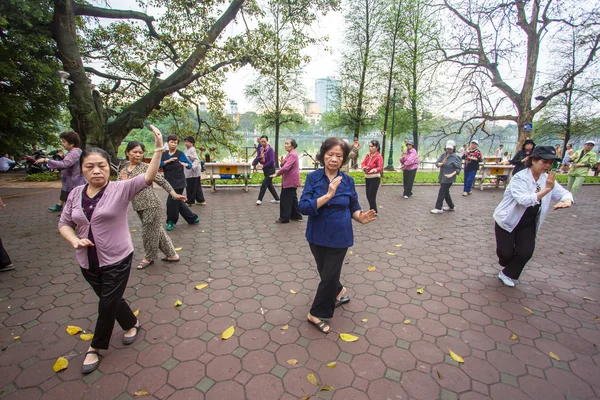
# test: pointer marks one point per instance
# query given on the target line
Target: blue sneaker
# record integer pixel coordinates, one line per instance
(170, 226)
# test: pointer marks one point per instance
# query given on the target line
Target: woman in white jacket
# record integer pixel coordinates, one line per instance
(521, 212)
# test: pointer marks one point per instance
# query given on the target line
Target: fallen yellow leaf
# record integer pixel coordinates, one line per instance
(202, 231)
(513, 337)
(364, 320)
(554, 356)
(389, 253)
(371, 268)
(588, 298)
(312, 379)
(456, 357)
(60, 364)
(201, 286)
(86, 336)
(178, 248)
(346, 337)
(420, 290)
(285, 327)
(398, 245)
(306, 397)
(133, 230)
(73, 330)
(595, 319)
(350, 252)
(407, 322)
(292, 291)
(16, 337)
(582, 254)
(528, 309)
(326, 388)
(292, 361)
(228, 333)
(140, 393)
(136, 312)
(178, 303)
(331, 364)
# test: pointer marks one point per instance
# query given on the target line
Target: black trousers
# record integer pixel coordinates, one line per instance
(176, 207)
(372, 186)
(444, 194)
(288, 208)
(515, 249)
(109, 283)
(194, 190)
(329, 264)
(4, 258)
(267, 183)
(409, 180)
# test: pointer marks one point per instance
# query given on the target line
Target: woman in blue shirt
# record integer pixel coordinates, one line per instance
(330, 201)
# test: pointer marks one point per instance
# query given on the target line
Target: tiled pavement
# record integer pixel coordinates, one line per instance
(251, 264)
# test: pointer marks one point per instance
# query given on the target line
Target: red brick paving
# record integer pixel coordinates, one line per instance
(251, 264)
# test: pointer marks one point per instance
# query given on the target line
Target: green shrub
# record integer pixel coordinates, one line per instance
(43, 177)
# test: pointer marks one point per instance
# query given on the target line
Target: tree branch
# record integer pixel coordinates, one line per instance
(110, 76)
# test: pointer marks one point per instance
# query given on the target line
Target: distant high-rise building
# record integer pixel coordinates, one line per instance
(327, 93)
(233, 107)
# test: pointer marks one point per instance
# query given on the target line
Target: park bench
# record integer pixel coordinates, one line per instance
(228, 171)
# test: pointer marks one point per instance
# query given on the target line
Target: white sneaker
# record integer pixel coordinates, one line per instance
(436, 211)
(275, 201)
(406, 197)
(506, 280)
(465, 193)
(258, 202)
(446, 208)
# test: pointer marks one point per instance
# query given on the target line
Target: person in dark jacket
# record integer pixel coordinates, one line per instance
(173, 162)
(450, 165)
(267, 158)
(521, 157)
(472, 159)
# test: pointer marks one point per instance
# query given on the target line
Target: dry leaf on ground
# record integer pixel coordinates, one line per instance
(513, 337)
(178, 303)
(312, 379)
(285, 327)
(371, 268)
(73, 330)
(136, 312)
(292, 291)
(528, 309)
(588, 298)
(364, 320)
(141, 393)
(86, 336)
(133, 230)
(346, 337)
(554, 356)
(16, 337)
(389, 253)
(292, 361)
(228, 333)
(60, 364)
(201, 286)
(178, 248)
(331, 364)
(407, 322)
(326, 388)
(306, 397)
(420, 290)
(439, 374)
(398, 245)
(456, 357)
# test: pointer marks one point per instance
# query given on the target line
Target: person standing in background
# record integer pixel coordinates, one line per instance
(290, 181)
(193, 176)
(410, 163)
(5, 262)
(6, 164)
(472, 159)
(354, 153)
(173, 162)
(499, 151)
(450, 165)
(69, 167)
(372, 166)
(583, 160)
(521, 156)
(267, 158)
(257, 148)
(461, 151)
(565, 162)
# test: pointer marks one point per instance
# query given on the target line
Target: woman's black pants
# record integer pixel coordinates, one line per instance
(109, 283)
(4, 258)
(176, 207)
(515, 249)
(267, 183)
(444, 194)
(288, 208)
(409, 180)
(372, 186)
(329, 264)
(194, 190)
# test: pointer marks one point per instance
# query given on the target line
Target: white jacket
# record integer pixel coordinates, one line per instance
(521, 193)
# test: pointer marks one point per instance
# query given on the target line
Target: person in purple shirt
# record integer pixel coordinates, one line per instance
(69, 167)
(103, 243)
(267, 158)
(290, 170)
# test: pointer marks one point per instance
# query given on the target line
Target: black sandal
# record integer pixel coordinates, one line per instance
(342, 300)
(166, 259)
(88, 368)
(321, 325)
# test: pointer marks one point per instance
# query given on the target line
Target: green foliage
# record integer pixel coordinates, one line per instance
(43, 177)
(30, 91)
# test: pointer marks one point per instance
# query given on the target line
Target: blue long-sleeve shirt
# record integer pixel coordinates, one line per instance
(330, 225)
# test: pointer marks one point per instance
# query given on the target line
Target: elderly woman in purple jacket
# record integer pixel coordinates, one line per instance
(103, 243)
(290, 172)
(267, 159)
(69, 167)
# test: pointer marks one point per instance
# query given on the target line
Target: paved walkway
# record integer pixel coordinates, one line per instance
(252, 264)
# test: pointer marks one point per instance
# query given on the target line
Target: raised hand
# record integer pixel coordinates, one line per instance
(366, 217)
(550, 180)
(333, 186)
(158, 140)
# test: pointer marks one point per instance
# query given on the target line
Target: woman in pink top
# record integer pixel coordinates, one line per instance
(410, 163)
(290, 181)
(103, 244)
(372, 166)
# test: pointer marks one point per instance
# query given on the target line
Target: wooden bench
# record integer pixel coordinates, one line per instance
(228, 171)
(494, 171)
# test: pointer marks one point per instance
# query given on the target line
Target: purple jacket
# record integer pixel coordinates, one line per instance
(410, 160)
(111, 230)
(269, 157)
(70, 171)
(290, 169)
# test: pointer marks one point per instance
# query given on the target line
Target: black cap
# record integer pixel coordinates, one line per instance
(545, 152)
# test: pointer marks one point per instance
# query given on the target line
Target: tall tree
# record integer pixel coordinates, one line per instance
(492, 39)
(278, 90)
(30, 90)
(364, 21)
